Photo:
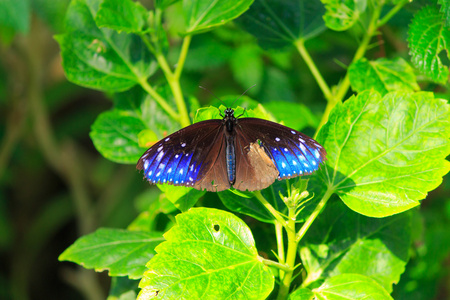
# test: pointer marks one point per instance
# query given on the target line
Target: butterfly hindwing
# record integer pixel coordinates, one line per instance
(183, 157)
(292, 152)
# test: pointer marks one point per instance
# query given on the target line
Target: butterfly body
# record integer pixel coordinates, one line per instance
(244, 153)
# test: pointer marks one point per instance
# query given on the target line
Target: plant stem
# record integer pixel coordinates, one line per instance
(300, 44)
(280, 246)
(183, 55)
(270, 208)
(391, 13)
(345, 84)
(291, 255)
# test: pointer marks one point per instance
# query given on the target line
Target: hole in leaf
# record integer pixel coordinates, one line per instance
(444, 58)
(216, 228)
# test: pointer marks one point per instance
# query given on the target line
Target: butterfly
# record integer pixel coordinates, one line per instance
(243, 153)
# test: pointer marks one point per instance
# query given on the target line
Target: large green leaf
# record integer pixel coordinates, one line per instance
(278, 24)
(122, 15)
(428, 37)
(209, 254)
(383, 75)
(341, 15)
(204, 15)
(101, 58)
(345, 286)
(342, 241)
(182, 197)
(445, 9)
(386, 153)
(115, 135)
(121, 252)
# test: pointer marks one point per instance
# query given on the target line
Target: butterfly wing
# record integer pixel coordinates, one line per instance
(292, 152)
(189, 157)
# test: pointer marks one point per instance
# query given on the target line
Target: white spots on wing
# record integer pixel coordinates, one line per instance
(150, 173)
(301, 172)
(176, 182)
(157, 174)
(277, 139)
(176, 156)
(191, 168)
(293, 132)
(294, 163)
(187, 154)
(316, 153)
(160, 148)
(303, 148)
(306, 165)
(164, 180)
(146, 164)
(191, 179)
(161, 166)
(295, 172)
(314, 163)
(301, 140)
(285, 149)
(167, 139)
(160, 155)
(289, 174)
(145, 155)
(283, 165)
(169, 171)
(302, 158)
(275, 149)
(183, 145)
(181, 171)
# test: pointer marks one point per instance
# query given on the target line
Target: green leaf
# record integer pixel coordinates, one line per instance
(122, 15)
(121, 252)
(182, 197)
(123, 288)
(101, 58)
(247, 66)
(204, 15)
(428, 37)
(209, 254)
(342, 15)
(15, 15)
(163, 4)
(349, 286)
(293, 115)
(115, 135)
(342, 241)
(51, 12)
(278, 24)
(386, 153)
(382, 75)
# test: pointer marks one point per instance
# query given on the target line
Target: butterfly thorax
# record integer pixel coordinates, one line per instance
(229, 120)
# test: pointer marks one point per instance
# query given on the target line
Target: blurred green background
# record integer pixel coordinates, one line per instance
(55, 186)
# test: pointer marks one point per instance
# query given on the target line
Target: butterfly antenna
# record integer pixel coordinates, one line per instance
(242, 95)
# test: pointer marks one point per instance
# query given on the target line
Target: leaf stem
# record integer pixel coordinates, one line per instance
(183, 54)
(391, 13)
(270, 208)
(280, 245)
(314, 214)
(300, 45)
(345, 84)
(158, 98)
(277, 265)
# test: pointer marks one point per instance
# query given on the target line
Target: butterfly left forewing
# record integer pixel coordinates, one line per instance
(184, 157)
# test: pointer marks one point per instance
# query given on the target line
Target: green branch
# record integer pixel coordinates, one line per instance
(270, 208)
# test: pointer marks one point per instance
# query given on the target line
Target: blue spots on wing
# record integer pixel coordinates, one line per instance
(294, 157)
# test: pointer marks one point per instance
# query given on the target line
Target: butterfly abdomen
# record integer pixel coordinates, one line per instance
(231, 159)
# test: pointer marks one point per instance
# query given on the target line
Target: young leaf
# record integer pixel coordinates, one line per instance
(101, 59)
(382, 75)
(294, 115)
(445, 9)
(121, 252)
(386, 153)
(346, 286)
(209, 254)
(278, 24)
(204, 15)
(342, 15)
(428, 37)
(121, 15)
(115, 135)
(182, 197)
(342, 241)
